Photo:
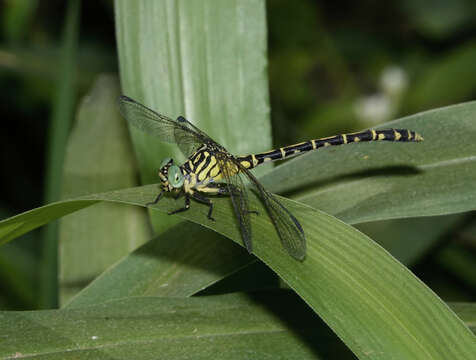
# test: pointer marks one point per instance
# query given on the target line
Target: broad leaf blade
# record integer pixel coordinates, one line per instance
(205, 60)
(352, 283)
(262, 325)
(408, 240)
(218, 327)
(98, 158)
(174, 264)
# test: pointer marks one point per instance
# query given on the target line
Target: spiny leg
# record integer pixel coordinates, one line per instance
(185, 208)
(206, 201)
(156, 199)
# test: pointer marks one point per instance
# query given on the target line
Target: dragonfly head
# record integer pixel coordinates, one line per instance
(170, 175)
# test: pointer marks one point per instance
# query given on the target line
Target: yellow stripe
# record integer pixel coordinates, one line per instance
(214, 171)
(255, 161)
(202, 163)
(313, 144)
(203, 174)
(409, 134)
(397, 135)
(283, 154)
(197, 159)
(381, 136)
(344, 138)
(374, 134)
(246, 164)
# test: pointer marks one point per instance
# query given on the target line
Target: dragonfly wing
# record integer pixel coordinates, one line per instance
(287, 226)
(239, 197)
(180, 131)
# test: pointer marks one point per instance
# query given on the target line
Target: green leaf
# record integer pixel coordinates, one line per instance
(235, 326)
(178, 263)
(346, 278)
(205, 60)
(219, 327)
(376, 181)
(99, 157)
(61, 119)
(408, 240)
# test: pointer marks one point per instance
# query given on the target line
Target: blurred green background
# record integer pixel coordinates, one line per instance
(334, 66)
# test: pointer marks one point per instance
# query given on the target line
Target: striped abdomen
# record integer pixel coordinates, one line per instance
(250, 161)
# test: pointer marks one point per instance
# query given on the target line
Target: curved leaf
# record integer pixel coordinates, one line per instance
(233, 326)
(178, 263)
(351, 282)
(218, 327)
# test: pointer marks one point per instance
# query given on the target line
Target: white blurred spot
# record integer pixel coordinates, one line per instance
(393, 80)
(373, 109)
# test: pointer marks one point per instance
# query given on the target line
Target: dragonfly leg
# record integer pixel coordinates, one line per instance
(156, 199)
(207, 201)
(185, 208)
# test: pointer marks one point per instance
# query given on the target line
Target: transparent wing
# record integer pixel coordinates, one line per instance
(179, 131)
(238, 194)
(287, 226)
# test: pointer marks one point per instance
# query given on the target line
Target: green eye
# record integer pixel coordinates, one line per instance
(175, 176)
(165, 162)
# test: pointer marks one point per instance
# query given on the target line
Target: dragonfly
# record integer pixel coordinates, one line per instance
(211, 170)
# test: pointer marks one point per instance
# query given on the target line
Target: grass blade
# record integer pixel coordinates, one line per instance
(61, 120)
(99, 157)
(261, 325)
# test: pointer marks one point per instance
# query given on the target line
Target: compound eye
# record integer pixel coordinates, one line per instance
(175, 176)
(165, 162)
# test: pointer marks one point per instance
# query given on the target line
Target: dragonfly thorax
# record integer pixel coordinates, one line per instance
(170, 175)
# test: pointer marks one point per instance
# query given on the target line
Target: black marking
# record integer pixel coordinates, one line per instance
(271, 155)
(197, 157)
(298, 148)
(248, 158)
(186, 168)
(204, 163)
(362, 136)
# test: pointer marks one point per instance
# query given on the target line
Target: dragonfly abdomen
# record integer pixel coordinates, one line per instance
(400, 135)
